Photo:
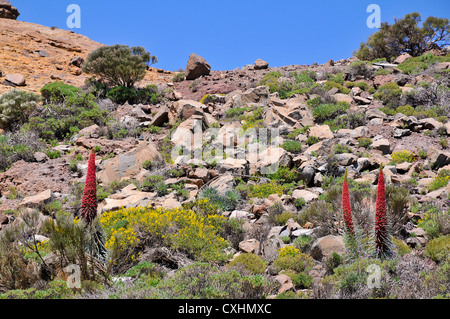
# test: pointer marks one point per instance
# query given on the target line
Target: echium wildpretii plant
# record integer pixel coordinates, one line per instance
(88, 211)
(358, 245)
(383, 238)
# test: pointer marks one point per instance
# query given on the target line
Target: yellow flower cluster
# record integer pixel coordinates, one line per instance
(265, 190)
(289, 251)
(179, 228)
(403, 156)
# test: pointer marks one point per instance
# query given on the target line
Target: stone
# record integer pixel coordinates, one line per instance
(38, 201)
(324, 247)
(321, 132)
(77, 61)
(438, 158)
(430, 123)
(381, 80)
(271, 247)
(375, 113)
(340, 97)
(40, 157)
(184, 110)
(382, 145)
(129, 164)
(301, 232)
(249, 246)
(306, 195)
(196, 67)
(90, 131)
(7, 11)
(261, 65)
(286, 283)
(402, 58)
(16, 79)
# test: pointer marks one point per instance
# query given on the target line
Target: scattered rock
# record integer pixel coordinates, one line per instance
(261, 65)
(196, 67)
(16, 79)
(324, 247)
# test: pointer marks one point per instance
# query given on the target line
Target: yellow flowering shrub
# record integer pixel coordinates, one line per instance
(178, 228)
(291, 258)
(403, 156)
(441, 180)
(265, 190)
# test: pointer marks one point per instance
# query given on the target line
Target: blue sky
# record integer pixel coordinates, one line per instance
(229, 34)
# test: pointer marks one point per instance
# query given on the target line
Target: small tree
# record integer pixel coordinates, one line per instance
(119, 64)
(15, 107)
(406, 36)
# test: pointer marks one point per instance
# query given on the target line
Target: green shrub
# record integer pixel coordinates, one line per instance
(291, 258)
(365, 142)
(53, 154)
(251, 262)
(285, 175)
(435, 221)
(312, 140)
(282, 219)
(341, 149)
(403, 156)
(331, 84)
(407, 110)
(441, 180)
(389, 94)
(265, 190)
(179, 77)
(224, 202)
(16, 107)
(119, 64)
(439, 248)
(303, 242)
(325, 112)
(121, 94)
(300, 202)
(292, 146)
(402, 248)
(18, 146)
(362, 85)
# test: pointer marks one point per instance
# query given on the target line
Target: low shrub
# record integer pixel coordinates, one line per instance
(438, 249)
(265, 190)
(251, 262)
(403, 156)
(16, 107)
(292, 146)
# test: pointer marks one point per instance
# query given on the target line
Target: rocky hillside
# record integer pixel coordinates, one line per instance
(267, 206)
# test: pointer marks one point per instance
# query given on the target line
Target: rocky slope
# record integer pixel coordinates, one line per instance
(328, 118)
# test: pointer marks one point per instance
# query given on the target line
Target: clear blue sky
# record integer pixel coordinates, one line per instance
(229, 34)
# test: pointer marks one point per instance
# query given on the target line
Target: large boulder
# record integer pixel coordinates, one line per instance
(39, 200)
(324, 247)
(261, 64)
(7, 11)
(196, 67)
(128, 165)
(16, 79)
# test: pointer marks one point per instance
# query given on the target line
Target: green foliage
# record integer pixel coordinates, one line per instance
(16, 107)
(402, 248)
(265, 190)
(441, 180)
(405, 35)
(331, 84)
(421, 63)
(439, 248)
(285, 175)
(149, 184)
(204, 281)
(435, 221)
(407, 110)
(179, 77)
(225, 202)
(18, 146)
(312, 140)
(292, 146)
(119, 64)
(53, 154)
(403, 156)
(341, 149)
(362, 85)
(148, 95)
(365, 142)
(324, 112)
(251, 262)
(292, 259)
(389, 94)
(303, 242)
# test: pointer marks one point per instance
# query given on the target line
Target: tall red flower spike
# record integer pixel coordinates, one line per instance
(346, 207)
(89, 201)
(381, 216)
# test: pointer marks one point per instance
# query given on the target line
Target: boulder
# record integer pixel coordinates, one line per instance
(7, 11)
(38, 201)
(285, 283)
(324, 247)
(438, 158)
(16, 79)
(382, 145)
(402, 58)
(261, 65)
(129, 164)
(196, 67)
(321, 132)
(249, 246)
(306, 195)
(184, 110)
(77, 61)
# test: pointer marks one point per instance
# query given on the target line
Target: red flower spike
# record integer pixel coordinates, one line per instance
(381, 216)
(346, 207)
(89, 201)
